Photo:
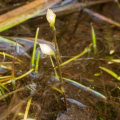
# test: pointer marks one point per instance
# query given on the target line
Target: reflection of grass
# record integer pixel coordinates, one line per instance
(84, 88)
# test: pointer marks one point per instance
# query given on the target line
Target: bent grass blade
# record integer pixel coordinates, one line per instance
(110, 72)
(81, 54)
(58, 90)
(85, 88)
(2, 85)
(17, 78)
(8, 55)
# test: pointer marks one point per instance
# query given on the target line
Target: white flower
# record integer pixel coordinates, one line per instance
(51, 17)
(46, 49)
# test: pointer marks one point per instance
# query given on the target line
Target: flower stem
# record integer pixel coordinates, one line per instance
(57, 56)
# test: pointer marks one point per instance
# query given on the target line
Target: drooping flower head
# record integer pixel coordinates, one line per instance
(46, 49)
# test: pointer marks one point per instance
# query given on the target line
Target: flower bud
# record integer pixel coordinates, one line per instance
(46, 49)
(51, 17)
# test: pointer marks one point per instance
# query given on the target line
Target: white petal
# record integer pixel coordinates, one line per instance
(50, 16)
(46, 49)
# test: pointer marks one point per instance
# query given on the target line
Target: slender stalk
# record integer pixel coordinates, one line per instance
(53, 66)
(58, 64)
(37, 62)
(12, 72)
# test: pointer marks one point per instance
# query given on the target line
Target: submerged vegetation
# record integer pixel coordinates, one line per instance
(41, 80)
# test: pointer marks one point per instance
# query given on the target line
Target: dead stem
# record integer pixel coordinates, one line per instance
(8, 94)
(101, 17)
(59, 69)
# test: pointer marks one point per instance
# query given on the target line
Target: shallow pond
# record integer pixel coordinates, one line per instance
(73, 36)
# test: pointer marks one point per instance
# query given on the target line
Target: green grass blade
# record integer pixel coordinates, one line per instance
(53, 66)
(4, 87)
(2, 91)
(20, 77)
(4, 77)
(37, 62)
(34, 48)
(110, 72)
(60, 91)
(1, 53)
(94, 40)
(70, 60)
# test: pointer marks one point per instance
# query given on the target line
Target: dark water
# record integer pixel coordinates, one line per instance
(73, 36)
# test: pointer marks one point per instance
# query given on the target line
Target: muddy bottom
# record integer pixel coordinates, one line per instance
(73, 36)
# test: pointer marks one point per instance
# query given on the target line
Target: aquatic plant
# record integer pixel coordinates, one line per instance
(77, 56)
(51, 19)
(34, 49)
(94, 40)
(110, 72)
(27, 108)
(37, 62)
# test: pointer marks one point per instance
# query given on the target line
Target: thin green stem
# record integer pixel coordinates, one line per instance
(59, 69)
(94, 40)
(37, 62)
(53, 66)
(34, 48)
